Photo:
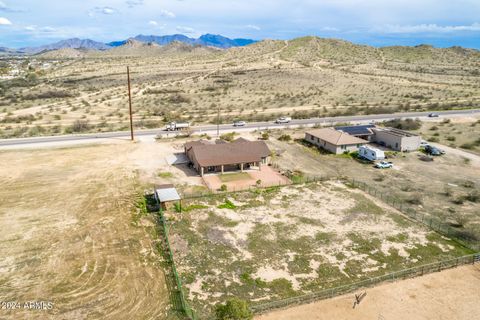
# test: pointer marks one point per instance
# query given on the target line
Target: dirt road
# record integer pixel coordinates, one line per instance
(449, 295)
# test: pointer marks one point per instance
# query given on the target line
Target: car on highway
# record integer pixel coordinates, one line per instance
(433, 115)
(239, 123)
(283, 120)
(383, 165)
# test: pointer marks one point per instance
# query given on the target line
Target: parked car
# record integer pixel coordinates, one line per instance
(433, 151)
(433, 115)
(384, 165)
(239, 123)
(283, 120)
(423, 143)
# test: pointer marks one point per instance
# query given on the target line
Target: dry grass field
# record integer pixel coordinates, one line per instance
(72, 234)
(305, 77)
(280, 242)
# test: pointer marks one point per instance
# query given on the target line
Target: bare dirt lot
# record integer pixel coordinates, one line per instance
(72, 235)
(450, 294)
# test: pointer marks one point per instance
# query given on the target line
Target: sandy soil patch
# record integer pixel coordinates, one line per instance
(450, 294)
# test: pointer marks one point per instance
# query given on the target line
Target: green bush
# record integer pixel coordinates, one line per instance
(223, 187)
(285, 137)
(227, 205)
(233, 309)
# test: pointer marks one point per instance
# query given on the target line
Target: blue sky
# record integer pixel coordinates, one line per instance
(442, 23)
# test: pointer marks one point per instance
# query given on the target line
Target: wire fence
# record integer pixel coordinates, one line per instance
(431, 222)
(390, 277)
(178, 300)
(295, 180)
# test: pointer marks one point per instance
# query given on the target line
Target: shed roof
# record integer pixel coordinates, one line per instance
(360, 130)
(210, 155)
(166, 193)
(335, 137)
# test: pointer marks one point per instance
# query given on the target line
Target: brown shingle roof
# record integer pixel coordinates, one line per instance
(210, 155)
(335, 137)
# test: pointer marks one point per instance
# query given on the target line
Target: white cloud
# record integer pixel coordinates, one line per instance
(185, 29)
(102, 10)
(330, 29)
(31, 28)
(3, 6)
(252, 26)
(133, 3)
(426, 28)
(167, 14)
(107, 10)
(4, 22)
(48, 29)
(153, 23)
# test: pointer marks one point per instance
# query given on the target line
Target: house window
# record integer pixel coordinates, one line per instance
(344, 147)
(396, 145)
(358, 145)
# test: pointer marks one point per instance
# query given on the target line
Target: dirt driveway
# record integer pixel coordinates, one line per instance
(451, 294)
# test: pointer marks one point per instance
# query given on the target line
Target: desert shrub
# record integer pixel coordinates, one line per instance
(265, 136)
(404, 124)
(285, 137)
(468, 184)
(228, 136)
(227, 205)
(179, 98)
(473, 196)
(451, 138)
(415, 200)
(80, 126)
(223, 187)
(233, 309)
(51, 94)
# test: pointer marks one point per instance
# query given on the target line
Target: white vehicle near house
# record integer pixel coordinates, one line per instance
(176, 126)
(370, 153)
(283, 120)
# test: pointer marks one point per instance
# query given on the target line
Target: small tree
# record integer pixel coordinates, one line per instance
(233, 309)
(265, 136)
(223, 187)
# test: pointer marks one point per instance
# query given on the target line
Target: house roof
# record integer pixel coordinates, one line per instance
(210, 155)
(166, 192)
(361, 130)
(335, 137)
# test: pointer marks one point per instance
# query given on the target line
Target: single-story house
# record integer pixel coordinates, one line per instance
(166, 195)
(241, 154)
(334, 141)
(361, 131)
(396, 139)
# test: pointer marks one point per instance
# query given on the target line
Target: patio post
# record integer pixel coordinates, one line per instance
(241, 167)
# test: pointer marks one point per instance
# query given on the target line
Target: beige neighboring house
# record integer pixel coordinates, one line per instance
(337, 142)
(396, 139)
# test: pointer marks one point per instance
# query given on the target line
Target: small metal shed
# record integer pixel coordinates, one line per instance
(166, 195)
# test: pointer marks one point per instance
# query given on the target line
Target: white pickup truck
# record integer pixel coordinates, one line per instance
(175, 126)
(283, 120)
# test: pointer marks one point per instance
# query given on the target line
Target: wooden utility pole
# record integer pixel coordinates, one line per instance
(130, 103)
(218, 121)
